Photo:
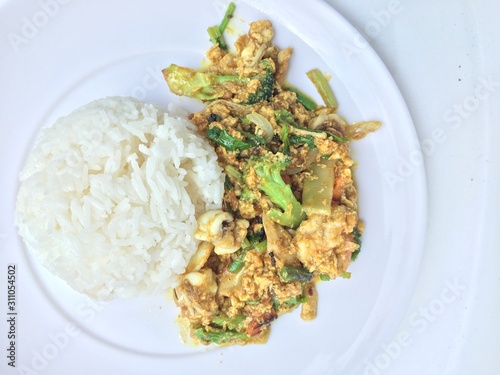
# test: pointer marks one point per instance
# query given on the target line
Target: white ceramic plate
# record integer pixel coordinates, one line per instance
(62, 55)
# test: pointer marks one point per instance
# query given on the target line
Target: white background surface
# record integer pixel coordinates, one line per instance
(439, 55)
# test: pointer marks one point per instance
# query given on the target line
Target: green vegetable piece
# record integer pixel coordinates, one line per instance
(268, 170)
(227, 184)
(266, 86)
(216, 37)
(300, 139)
(276, 304)
(234, 173)
(260, 247)
(289, 274)
(357, 236)
(285, 130)
(224, 139)
(324, 89)
(238, 261)
(253, 139)
(324, 277)
(283, 115)
(255, 237)
(231, 323)
(248, 194)
(303, 98)
(251, 242)
(227, 16)
(296, 300)
(318, 188)
(216, 32)
(355, 254)
(184, 81)
(219, 337)
(345, 275)
(357, 239)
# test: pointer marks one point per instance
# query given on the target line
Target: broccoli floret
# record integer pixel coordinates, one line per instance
(189, 82)
(248, 194)
(266, 86)
(268, 171)
(194, 84)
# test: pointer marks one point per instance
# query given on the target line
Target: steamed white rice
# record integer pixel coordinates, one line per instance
(110, 195)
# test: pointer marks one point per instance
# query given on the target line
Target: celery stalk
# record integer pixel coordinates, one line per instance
(324, 89)
(318, 189)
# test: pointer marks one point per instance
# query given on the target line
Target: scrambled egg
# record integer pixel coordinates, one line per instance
(252, 264)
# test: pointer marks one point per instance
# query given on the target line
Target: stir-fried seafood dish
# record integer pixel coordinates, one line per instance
(290, 211)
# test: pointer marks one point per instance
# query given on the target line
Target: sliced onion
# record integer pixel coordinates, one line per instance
(322, 118)
(238, 109)
(359, 130)
(263, 123)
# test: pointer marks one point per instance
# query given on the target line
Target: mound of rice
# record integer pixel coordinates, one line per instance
(109, 197)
